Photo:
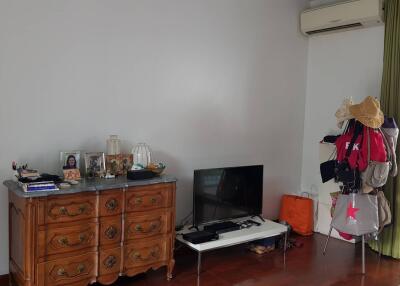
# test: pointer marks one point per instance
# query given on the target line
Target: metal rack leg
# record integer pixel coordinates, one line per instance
(363, 254)
(285, 243)
(380, 246)
(327, 240)
(284, 248)
(198, 263)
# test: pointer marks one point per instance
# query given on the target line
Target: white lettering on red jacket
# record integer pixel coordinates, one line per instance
(356, 146)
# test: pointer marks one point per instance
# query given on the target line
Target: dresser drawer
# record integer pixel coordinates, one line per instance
(109, 261)
(68, 270)
(149, 197)
(147, 225)
(110, 230)
(67, 239)
(145, 252)
(111, 202)
(67, 208)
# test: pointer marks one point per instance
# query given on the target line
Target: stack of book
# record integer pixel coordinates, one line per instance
(39, 186)
(29, 174)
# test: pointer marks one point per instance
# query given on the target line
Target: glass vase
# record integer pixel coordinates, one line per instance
(141, 155)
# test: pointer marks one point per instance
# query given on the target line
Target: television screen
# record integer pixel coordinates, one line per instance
(226, 193)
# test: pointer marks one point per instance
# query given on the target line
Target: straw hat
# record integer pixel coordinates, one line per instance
(343, 113)
(368, 112)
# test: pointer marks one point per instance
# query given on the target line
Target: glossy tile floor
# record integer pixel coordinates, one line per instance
(304, 266)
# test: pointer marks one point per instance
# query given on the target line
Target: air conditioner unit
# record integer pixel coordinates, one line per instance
(342, 16)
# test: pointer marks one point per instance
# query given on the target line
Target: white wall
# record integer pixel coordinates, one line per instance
(339, 65)
(205, 83)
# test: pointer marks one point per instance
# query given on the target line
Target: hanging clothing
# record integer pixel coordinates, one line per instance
(377, 146)
(358, 158)
(343, 113)
(342, 145)
(391, 132)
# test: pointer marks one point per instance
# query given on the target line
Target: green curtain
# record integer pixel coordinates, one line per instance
(390, 104)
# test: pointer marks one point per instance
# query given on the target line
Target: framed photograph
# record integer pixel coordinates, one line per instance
(125, 163)
(72, 174)
(95, 164)
(119, 164)
(112, 164)
(70, 159)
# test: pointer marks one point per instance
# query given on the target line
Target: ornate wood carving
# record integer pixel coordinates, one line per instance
(66, 271)
(77, 239)
(146, 201)
(70, 210)
(146, 227)
(110, 230)
(74, 239)
(111, 204)
(110, 261)
(149, 197)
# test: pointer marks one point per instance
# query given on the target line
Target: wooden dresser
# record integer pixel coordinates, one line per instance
(95, 232)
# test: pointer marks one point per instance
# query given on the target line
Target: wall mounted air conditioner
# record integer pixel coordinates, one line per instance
(342, 16)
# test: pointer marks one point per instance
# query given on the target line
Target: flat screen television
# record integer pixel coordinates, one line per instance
(226, 193)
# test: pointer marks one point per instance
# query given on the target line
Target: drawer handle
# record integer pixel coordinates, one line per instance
(137, 255)
(154, 253)
(153, 200)
(153, 227)
(111, 204)
(111, 232)
(79, 270)
(110, 261)
(138, 201)
(81, 210)
(64, 240)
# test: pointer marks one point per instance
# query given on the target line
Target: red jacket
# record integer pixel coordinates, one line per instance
(359, 155)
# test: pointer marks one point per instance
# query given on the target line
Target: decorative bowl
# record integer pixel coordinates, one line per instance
(159, 170)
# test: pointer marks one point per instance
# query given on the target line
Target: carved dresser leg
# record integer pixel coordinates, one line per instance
(10, 280)
(170, 268)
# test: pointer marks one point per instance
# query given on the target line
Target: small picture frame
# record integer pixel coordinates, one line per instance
(70, 159)
(119, 164)
(125, 163)
(95, 164)
(112, 164)
(72, 174)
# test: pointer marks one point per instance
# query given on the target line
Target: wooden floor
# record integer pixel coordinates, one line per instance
(304, 266)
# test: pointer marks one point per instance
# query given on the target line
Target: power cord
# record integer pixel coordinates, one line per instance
(184, 221)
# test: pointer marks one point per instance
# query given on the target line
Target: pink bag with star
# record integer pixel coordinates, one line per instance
(356, 214)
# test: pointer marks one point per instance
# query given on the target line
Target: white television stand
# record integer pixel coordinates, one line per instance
(266, 229)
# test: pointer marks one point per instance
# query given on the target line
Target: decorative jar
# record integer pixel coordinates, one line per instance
(113, 145)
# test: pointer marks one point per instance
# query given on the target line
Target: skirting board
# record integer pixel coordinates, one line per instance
(4, 279)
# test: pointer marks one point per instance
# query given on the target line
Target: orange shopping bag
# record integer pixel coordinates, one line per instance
(298, 213)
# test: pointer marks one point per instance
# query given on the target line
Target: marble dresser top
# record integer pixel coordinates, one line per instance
(89, 185)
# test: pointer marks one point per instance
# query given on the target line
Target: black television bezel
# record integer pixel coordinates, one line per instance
(234, 217)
